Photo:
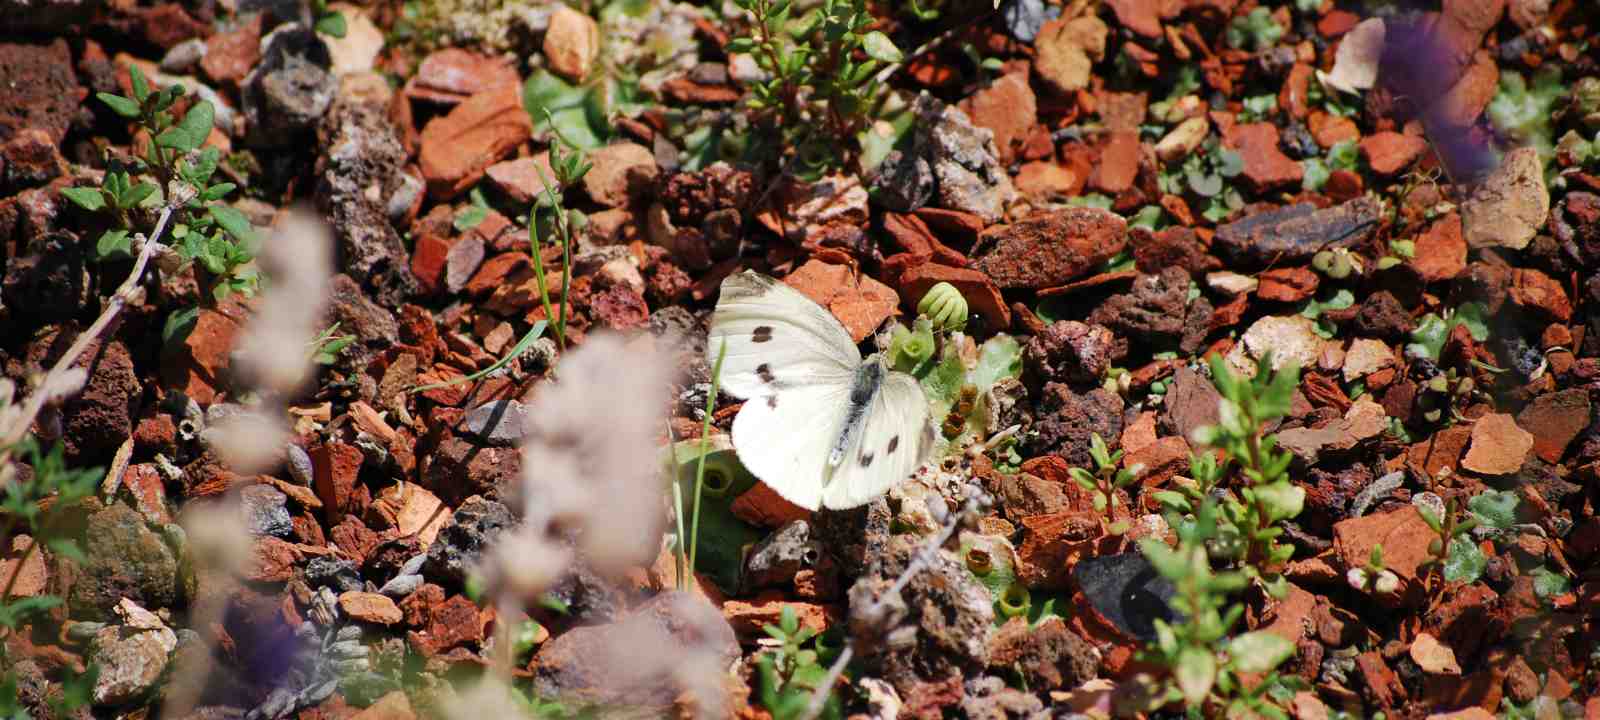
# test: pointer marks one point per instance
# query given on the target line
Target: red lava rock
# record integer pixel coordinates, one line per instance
(1344, 186)
(1008, 108)
(496, 272)
(38, 88)
(1535, 291)
(336, 467)
(31, 158)
(1045, 180)
(683, 90)
(1171, 247)
(1380, 684)
(1066, 50)
(621, 172)
(393, 706)
(272, 560)
(620, 307)
(231, 55)
(749, 616)
(982, 296)
(1119, 163)
(452, 623)
(1404, 536)
(168, 24)
(1554, 420)
(370, 608)
(1472, 93)
(1143, 17)
(1047, 249)
(452, 75)
(428, 262)
(764, 507)
(1330, 130)
(457, 148)
(1053, 543)
(1499, 445)
(1441, 251)
(196, 365)
(1265, 166)
(149, 491)
(1287, 284)
(522, 179)
(1390, 152)
(26, 579)
(1161, 459)
(458, 469)
(961, 227)
(860, 302)
(1295, 97)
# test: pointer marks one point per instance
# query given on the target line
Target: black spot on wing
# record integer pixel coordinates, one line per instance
(762, 334)
(866, 459)
(894, 442)
(764, 371)
(772, 402)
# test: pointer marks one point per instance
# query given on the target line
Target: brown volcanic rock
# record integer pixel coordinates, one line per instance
(1050, 248)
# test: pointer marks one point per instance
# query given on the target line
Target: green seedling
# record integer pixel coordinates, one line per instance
(788, 675)
(1428, 339)
(1106, 480)
(1255, 30)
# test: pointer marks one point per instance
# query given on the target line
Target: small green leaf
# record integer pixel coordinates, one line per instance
(113, 244)
(1196, 673)
(192, 131)
(332, 25)
(879, 47)
(135, 195)
(470, 217)
(178, 325)
(1548, 584)
(141, 87)
(67, 548)
(120, 105)
(1259, 651)
(1495, 508)
(1466, 562)
(232, 221)
(89, 199)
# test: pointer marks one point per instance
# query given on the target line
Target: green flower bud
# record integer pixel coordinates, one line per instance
(944, 305)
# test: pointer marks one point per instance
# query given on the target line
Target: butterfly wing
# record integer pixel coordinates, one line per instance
(777, 339)
(793, 364)
(895, 440)
(784, 438)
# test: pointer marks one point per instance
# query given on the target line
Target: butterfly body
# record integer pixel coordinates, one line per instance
(820, 425)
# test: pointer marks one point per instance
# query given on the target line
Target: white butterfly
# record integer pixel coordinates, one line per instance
(820, 425)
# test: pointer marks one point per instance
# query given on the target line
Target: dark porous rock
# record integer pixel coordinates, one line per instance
(1196, 326)
(38, 88)
(98, 419)
(1152, 314)
(1295, 233)
(337, 574)
(501, 423)
(856, 537)
(1382, 316)
(903, 182)
(288, 92)
(1067, 422)
(46, 16)
(1049, 655)
(1173, 247)
(460, 468)
(31, 157)
(1126, 590)
(1069, 351)
(475, 525)
(1048, 249)
(371, 324)
(124, 558)
(935, 629)
(589, 598)
(48, 282)
(638, 662)
(264, 510)
(362, 163)
(989, 698)
(778, 557)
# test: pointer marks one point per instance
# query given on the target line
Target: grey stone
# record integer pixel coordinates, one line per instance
(363, 158)
(130, 662)
(265, 511)
(963, 159)
(903, 182)
(124, 559)
(184, 56)
(340, 575)
(1127, 590)
(457, 548)
(1024, 18)
(778, 557)
(500, 422)
(936, 628)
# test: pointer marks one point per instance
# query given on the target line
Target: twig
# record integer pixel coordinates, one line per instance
(124, 293)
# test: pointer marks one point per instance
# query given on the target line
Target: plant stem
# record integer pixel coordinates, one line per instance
(700, 463)
(538, 273)
(119, 299)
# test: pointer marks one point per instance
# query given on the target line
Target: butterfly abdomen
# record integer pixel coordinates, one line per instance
(869, 377)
